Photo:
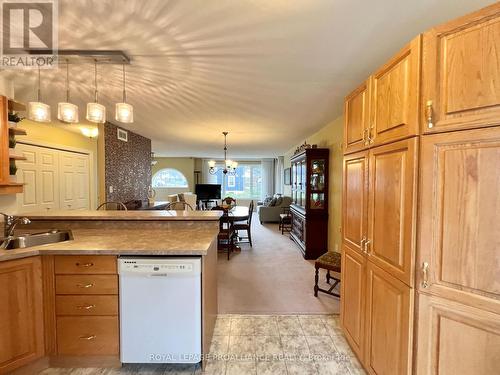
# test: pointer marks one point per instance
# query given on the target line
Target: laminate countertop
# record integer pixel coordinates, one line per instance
(154, 242)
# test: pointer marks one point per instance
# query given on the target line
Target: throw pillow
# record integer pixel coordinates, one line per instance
(267, 201)
(279, 200)
(180, 196)
(273, 202)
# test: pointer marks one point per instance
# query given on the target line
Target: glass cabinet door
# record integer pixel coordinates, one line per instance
(317, 184)
(303, 182)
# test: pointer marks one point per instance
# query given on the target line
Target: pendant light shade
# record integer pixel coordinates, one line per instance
(124, 112)
(96, 112)
(38, 111)
(66, 111)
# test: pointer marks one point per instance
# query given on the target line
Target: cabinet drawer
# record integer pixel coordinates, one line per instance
(87, 305)
(86, 284)
(85, 264)
(89, 335)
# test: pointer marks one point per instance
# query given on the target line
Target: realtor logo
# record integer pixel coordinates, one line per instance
(29, 34)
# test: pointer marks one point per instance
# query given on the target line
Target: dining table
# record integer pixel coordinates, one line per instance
(236, 213)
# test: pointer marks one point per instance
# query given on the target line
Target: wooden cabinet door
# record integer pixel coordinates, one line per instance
(21, 312)
(389, 321)
(356, 117)
(454, 339)
(461, 73)
(352, 312)
(459, 235)
(392, 207)
(395, 90)
(355, 200)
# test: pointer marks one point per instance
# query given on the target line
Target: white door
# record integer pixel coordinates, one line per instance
(40, 174)
(54, 179)
(74, 176)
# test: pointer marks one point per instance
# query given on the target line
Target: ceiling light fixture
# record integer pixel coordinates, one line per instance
(90, 132)
(96, 112)
(124, 112)
(229, 165)
(66, 111)
(38, 111)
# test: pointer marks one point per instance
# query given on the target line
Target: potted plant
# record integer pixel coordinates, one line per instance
(12, 141)
(12, 170)
(14, 119)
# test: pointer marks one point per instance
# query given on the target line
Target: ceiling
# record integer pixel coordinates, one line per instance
(271, 72)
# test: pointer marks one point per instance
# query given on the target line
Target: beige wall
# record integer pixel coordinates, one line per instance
(330, 137)
(184, 165)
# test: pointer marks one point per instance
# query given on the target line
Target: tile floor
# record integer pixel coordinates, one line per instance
(261, 345)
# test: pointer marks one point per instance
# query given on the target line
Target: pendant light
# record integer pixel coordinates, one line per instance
(96, 112)
(38, 111)
(124, 112)
(66, 111)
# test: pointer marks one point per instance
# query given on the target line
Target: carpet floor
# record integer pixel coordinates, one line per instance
(271, 277)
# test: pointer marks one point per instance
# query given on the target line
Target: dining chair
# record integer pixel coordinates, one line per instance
(246, 226)
(112, 206)
(226, 235)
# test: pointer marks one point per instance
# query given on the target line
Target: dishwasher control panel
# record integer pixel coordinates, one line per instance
(160, 266)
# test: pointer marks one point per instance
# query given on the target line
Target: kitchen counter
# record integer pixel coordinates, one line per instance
(151, 215)
(152, 242)
(177, 233)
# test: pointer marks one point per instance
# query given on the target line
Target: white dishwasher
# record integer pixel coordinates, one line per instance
(160, 309)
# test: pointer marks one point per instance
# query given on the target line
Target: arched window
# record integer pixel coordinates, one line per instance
(169, 178)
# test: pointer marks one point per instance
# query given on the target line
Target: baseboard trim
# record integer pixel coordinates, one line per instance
(85, 361)
(32, 368)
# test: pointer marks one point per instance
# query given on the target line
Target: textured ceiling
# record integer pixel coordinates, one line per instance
(270, 72)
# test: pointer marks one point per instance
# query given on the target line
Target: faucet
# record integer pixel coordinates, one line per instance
(10, 223)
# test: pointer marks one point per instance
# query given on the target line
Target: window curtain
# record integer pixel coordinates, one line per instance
(267, 177)
(279, 170)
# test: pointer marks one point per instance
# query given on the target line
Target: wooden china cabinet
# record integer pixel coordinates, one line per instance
(309, 206)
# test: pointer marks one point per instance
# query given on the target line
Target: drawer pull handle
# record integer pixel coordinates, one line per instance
(84, 264)
(87, 307)
(85, 286)
(88, 338)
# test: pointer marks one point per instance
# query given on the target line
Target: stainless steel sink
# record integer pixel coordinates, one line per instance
(36, 239)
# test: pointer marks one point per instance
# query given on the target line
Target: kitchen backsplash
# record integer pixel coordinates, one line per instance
(128, 165)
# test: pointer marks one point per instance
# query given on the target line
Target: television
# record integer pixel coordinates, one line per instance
(205, 192)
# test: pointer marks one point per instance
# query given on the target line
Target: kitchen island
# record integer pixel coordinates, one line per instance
(69, 314)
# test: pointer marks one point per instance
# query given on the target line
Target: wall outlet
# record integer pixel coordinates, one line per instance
(111, 189)
(336, 248)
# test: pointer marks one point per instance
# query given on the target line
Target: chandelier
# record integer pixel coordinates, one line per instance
(229, 165)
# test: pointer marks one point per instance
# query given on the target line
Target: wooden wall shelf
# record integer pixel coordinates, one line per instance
(14, 105)
(17, 131)
(12, 188)
(7, 155)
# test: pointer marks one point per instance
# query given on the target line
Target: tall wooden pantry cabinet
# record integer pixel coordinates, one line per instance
(421, 166)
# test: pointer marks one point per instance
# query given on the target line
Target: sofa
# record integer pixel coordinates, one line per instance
(272, 213)
(189, 198)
